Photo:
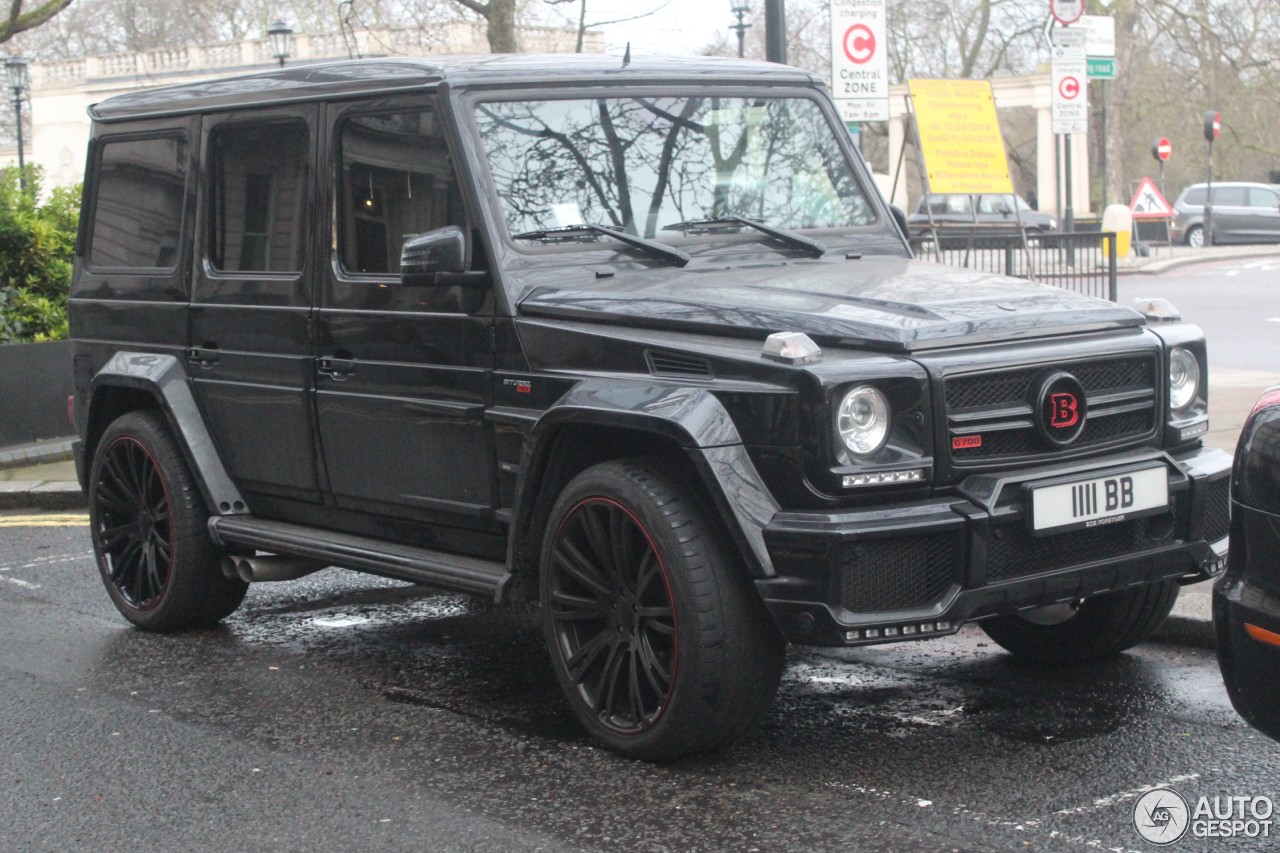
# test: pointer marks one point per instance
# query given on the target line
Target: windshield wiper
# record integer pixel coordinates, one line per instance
(590, 229)
(791, 238)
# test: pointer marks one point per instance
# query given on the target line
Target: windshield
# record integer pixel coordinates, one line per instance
(640, 164)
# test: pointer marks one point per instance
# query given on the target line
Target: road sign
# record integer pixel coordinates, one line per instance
(1067, 36)
(1212, 126)
(1102, 68)
(1162, 149)
(1070, 102)
(1100, 35)
(1149, 203)
(860, 60)
(1066, 11)
(960, 137)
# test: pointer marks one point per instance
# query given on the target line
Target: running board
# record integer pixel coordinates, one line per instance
(404, 562)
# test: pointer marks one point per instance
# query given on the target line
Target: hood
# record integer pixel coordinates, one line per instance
(878, 302)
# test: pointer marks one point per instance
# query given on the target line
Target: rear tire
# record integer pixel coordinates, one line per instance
(1099, 627)
(150, 534)
(657, 638)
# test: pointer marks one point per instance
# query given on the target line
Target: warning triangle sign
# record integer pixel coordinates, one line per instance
(1149, 203)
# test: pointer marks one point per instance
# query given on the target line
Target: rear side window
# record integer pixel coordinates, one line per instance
(1194, 197)
(138, 202)
(1232, 196)
(258, 196)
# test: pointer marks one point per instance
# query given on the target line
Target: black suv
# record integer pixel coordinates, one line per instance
(637, 340)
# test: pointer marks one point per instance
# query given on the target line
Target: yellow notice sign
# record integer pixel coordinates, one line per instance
(960, 136)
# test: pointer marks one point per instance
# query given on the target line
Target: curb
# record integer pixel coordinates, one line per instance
(23, 455)
(40, 495)
(1155, 267)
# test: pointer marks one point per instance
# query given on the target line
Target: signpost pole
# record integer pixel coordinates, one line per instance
(775, 31)
(1102, 119)
(1212, 126)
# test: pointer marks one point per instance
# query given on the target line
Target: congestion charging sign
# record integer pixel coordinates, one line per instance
(859, 60)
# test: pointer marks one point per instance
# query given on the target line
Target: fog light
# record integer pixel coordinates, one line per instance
(880, 478)
(944, 626)
(1193, 430)
(872, 633)
(908, 629)
(891, 632)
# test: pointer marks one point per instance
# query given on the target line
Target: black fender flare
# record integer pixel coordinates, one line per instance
(165, 380)
(691, 418)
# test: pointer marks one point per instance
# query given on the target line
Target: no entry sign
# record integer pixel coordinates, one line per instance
(859, 61)
(1066, 11)
(1162, 149)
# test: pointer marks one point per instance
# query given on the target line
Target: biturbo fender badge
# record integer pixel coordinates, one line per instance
(1060, 408)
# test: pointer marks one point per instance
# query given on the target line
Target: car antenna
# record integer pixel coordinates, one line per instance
(626, 57)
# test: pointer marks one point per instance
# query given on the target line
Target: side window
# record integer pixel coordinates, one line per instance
(1229, 196)
(1259, 197)
(396, 181)
(258, 196)
(138, 202)
(1195, 197)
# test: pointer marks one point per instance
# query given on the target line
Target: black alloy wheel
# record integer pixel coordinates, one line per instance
(133, 527)
(612, 615)
(658, 639)
(150, 530)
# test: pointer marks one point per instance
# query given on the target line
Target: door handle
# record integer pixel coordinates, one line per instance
(205, 357)
(336, 368)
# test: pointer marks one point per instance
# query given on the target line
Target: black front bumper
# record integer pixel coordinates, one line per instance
(924, 568)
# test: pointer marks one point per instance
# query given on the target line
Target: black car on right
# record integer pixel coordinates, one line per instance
(1246, 600)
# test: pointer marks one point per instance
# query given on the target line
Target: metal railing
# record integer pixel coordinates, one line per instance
(1083, 261)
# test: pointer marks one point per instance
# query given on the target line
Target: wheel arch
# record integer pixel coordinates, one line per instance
(132, 381)
(598, 423)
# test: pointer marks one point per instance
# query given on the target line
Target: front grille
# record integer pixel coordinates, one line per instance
(996, 405)
(1014, 552)
(1217, 510)
(896, 574)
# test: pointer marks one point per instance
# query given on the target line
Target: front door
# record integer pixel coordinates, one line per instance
(402, 373)
(250, 353)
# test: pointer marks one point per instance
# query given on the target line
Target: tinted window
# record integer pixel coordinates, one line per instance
(1194, 197)
(259, 178)
(137, 216)
(397, 181)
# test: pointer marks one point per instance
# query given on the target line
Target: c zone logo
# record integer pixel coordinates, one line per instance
(1064, 410)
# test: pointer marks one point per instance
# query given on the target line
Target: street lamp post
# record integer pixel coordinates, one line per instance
(15, 73)
(279, 36)
(740, 8)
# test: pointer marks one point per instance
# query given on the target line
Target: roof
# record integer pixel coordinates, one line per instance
(304, 82)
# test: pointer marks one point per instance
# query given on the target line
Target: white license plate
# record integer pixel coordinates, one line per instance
(1099, 500)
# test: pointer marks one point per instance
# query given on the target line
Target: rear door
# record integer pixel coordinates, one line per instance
(402, 373)
(249, 353)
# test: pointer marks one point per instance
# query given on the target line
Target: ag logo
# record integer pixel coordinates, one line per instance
(1161, 816)
(1060, 407)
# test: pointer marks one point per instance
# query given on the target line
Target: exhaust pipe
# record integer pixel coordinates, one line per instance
(269, 568)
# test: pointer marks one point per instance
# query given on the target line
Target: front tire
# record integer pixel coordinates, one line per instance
(1195, 237)
(656, 637)
(1095, 628)
(149, 528)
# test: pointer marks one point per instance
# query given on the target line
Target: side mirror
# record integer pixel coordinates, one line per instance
(900, 217)
(443, 250)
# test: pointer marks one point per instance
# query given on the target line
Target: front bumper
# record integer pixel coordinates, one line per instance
(924, 568)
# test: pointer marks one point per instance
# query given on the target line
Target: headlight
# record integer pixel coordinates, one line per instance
(1184, 378)
(863, 420)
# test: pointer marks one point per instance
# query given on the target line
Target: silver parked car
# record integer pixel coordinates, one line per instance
(1242, 213)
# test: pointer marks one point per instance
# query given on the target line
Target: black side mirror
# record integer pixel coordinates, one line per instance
(423, 256)
(900, 217)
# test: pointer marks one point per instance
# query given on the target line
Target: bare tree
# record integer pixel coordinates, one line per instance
(20, 19)
(500, 23)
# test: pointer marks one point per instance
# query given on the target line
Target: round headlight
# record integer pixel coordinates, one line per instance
(1184, 378)
(863, 420)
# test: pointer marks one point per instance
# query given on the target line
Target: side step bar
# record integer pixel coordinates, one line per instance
(403, 562)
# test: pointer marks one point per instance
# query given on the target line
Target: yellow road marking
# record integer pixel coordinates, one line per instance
(45, 520)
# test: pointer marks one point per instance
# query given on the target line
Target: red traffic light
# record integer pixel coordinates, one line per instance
(1162, 149)
(1212, 125)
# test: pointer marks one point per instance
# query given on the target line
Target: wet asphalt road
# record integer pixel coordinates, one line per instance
(348, 712)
